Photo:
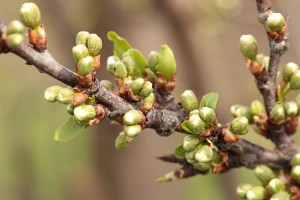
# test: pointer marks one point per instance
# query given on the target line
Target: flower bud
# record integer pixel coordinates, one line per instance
(30, 15)
(129, 64)
(257, 193)
(190, 157)
(153, 60)
(295, 160)
(264, 174)
(291, 109)
(94, 44)
(70, 109)
(166, 62)
(204, 153)
(111, 60)
(278, 113)
(228, 136)
(148, 101)
(295, 80)
(239, 125)
(85, 65)
(275, 22)
(120, 70)
(146, 89)
(248, 46)
(132, 117)
(257, 108)
(65, 95)
(190, 143)
(107, 84)
(79, 51)
(84, 112)
(288, 70)
(137, 85)
(121, 142)
(189, 101)
(296, 173)
(194, 124)
(282, 195)
(208, 115)
(202, 166)
(51, 93)
(82, 37)
(242, 189)
(15, 27)
(275, 185)
(14, 40)
(239, 110)
(132, 131)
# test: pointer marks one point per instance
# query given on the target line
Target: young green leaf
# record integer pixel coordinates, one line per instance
(180, 152)
(68, 130)
(120, 44)
(209, 100)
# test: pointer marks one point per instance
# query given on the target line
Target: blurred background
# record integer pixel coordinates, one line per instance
(204, 35)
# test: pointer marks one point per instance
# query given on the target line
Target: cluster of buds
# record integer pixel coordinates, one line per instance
(86, 55)
(274, 186)
(30, 16)
(290, 80)
(295, 164)
(280, 113)
(14, 36)
(133, 121)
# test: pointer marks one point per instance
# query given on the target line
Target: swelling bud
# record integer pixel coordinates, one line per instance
(190, 143)
(275, 22)
(30, 15)
(166, 62)
(242, 189)
(82, 37)
(15, 27)
(79, 51)
(295, 81)
(65, 96)
(132, 117)
(51, 93)
(94, 44)
(84, 112)
(239, 125)
(248, 46)
(288, 70)
(85, 65)
(14, 40)
(189, 101)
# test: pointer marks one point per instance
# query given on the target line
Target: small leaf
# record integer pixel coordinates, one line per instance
(139, 61)
(120, 44)
(151, 74)
(180, 152)
(68, 130)
(209, 100)
(185, 126)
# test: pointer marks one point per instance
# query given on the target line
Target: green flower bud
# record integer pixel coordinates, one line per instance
(132, 131)
(153, 60)
(111, 60)
(166, 62)
(257, 193)
(120, 70)
(195, 112)
(84, 112)
(79, 51)
(94, 44)
(148, 101)
(51, 93)
(288, 70)
(275, 22)
(85, 65)
(297, 100)
(195, 124)
(282, 195)
(65, 95)
(190, 157)
(278, 113)
(190, 143)
(239, 110)
(189, 101)
(239, 125)
(204, 153)
(30, 15)
(242, 189)
(295, 80)
(14, 40)
(295, 160)
(121, 142)
(137, 85)
(264, 174)
(296, 173)
(70, 109)
(275, 185)
(15, 27)
(132, 117)
(202, 166)
(82, 37)
(291, 109)
(129, 64)
(248, 46)
(257, 108)
(146, 89)
(107, 84)
(208, 115)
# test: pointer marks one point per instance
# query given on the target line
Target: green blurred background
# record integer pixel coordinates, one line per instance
(204, 35)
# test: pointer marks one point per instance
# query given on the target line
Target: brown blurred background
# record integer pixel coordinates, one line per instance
(204, 35)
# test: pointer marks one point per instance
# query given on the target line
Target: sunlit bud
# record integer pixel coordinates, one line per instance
(153, 60)
(15, 27)
(248, 46)
(239, 125)
(65, 95)
(295, 160)
(30, 15)
(278, 113)
(132, 131)
(79, 51)
(146, 89)
(208, 115)
(282, 195)
(190, 143)
(202, 166)
(257, 193)
(194, 124)
(291, 108)
(136, 85)
(257, 108)
(296, 173)
(204, 153)
(51, 93)
(119, 70)
(85, 65)
(242, 189)
(107, 84)
(94, 44)
(275, 185)
(166, 62)
(111, 60)
(239, 110)
(275, 22)
(129, 64)
(84, 112)
(190, 157)
(295, 80)
(81, 37)
(288, 70)
(70, 109)
(196, 112)
(132, 117)
(14, 40)
(121, 142)
(189, 101)
(264, 174)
